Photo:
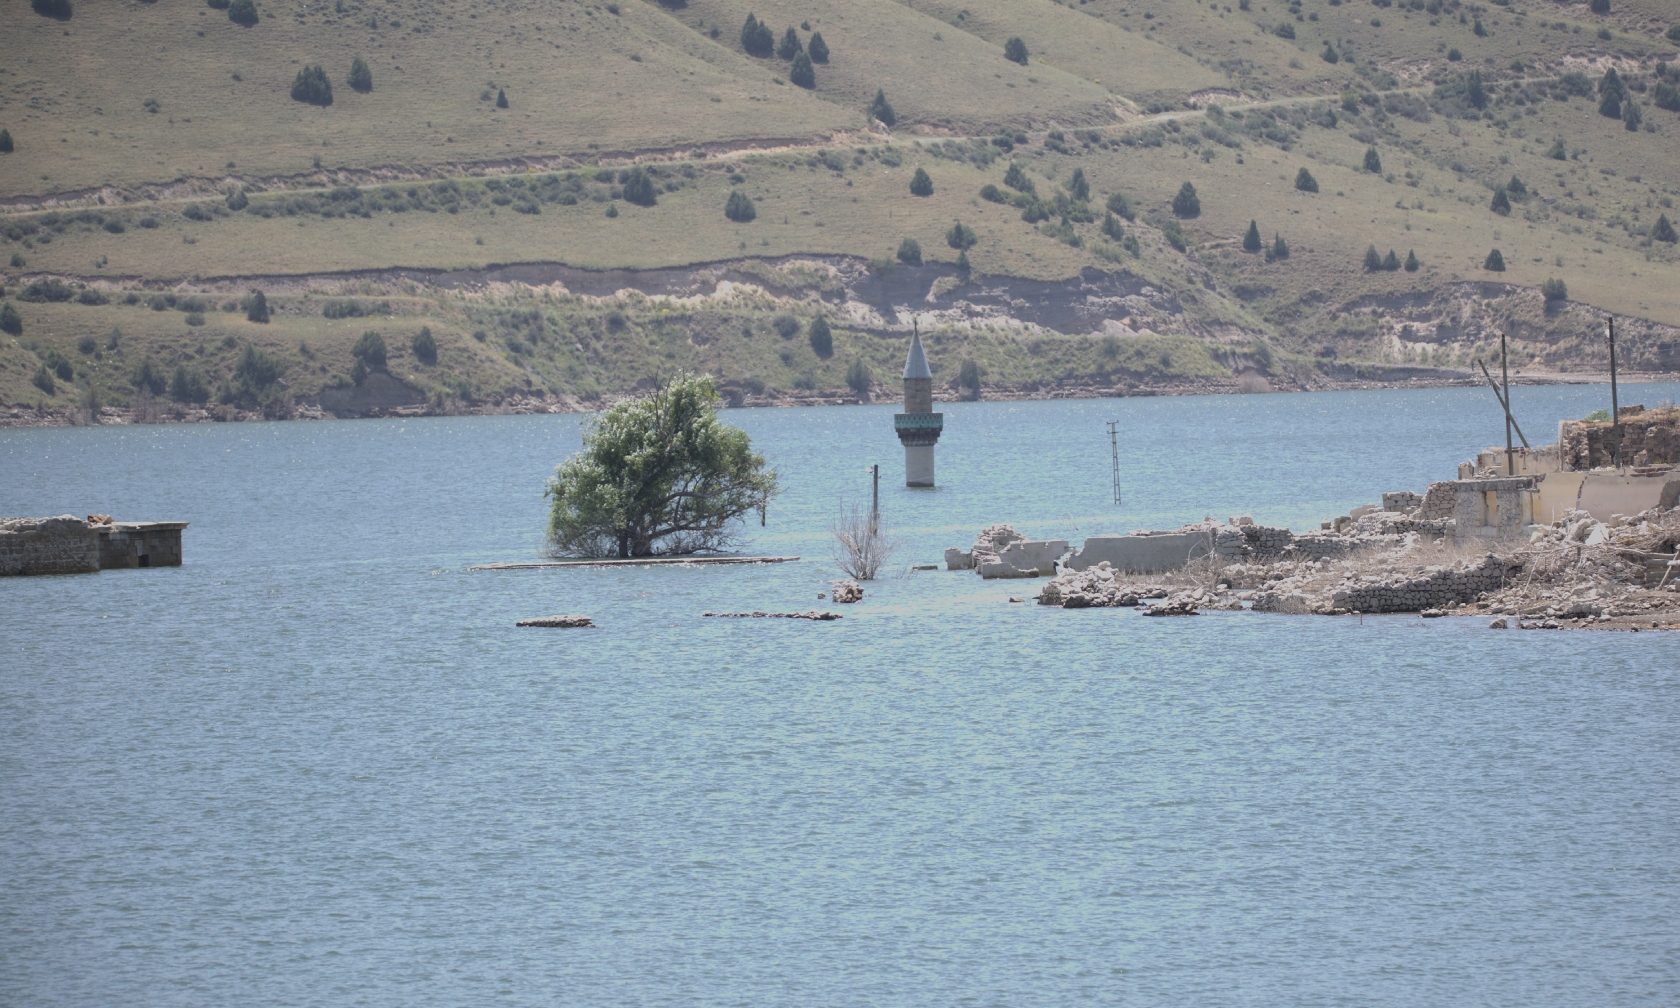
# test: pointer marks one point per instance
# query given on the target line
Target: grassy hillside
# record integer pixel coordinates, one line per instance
(424, 172)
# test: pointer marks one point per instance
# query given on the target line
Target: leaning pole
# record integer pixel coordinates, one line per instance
(918, 427)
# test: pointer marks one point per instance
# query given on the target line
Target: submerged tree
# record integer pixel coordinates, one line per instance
(658, 475)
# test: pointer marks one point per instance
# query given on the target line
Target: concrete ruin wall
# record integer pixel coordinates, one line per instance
(62, 545)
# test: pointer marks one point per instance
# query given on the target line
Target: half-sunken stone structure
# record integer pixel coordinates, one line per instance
(70, 545)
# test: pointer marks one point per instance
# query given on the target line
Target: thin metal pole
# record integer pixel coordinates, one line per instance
(1503, 402)
(1114, 453)
(875, 508)
(1615, 410)
(1505, 371)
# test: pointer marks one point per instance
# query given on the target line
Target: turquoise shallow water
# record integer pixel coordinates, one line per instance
(317, 765)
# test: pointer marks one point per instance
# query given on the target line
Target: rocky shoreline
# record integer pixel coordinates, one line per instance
(23, 415)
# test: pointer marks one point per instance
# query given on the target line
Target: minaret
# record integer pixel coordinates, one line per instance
(918, 426)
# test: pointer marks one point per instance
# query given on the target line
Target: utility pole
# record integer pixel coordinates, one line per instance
(1114, 454)
(1504, 403)
(1615, 410)
(1505, 374)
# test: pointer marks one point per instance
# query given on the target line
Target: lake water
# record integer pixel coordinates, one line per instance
(318, 765)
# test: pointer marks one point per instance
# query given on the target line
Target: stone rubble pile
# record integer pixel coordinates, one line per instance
(810, 614)
(572, 622)
(1001, 552)
(847, 591)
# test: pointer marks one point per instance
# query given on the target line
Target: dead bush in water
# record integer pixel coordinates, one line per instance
(861, 546)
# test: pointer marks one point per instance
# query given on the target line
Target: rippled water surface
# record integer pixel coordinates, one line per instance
(318, 765)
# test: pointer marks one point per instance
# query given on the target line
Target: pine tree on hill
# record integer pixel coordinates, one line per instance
(10, 323)
(822, 338)
(1111, 227)
(1501, 203)
(1015, 51)
(817, 48)
(1475, 91)
(5, 141)
(1612, 92)
(1304, 181)
(1557, 152)
(1078, 187)
(910, 252)
(802, 73)
(1187, 203)
(880, 109)
(1016, 178)
(1280, 249)
(789, 46)
(1631, 116)
(312, 87)
(256, 307)
(638, 188)
(243, 12)
(1494, 262)
(961, 237)
(501, 98)
(1373, 162)
(1663, 231)
(921, 184)
(361, 78)
(1412, 263)
(58, 10)
(739, 207)
(756, 37)
(1251, 240)
(1391, 262)
(1373, 259)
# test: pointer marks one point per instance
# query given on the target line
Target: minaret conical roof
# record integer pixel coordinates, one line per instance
(915, 364)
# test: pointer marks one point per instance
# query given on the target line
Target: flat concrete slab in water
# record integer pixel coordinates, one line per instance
(638, 562)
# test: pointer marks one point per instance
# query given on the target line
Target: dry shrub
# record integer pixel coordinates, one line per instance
(861, 546)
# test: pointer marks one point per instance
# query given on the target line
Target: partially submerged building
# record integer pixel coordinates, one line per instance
(70, 545)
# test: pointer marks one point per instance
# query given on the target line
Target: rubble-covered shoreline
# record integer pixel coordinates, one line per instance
(1530, 552)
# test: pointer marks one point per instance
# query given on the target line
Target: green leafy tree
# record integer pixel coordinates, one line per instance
(1187, 203)
(1280, 248)
(361, 78)
(43, 380)
(1412, 263)
(859, 378)
(802, 73)
(10, 323)
(1373, 161)
(1304, 180)
(739, 207)
(881, 109)
(968, 375)
(243, 12)
(1663, 231)
(501, 98)
(1078, 187)
(1174, 236)
(1015, 51)
(821, 338)
(358, 372)
(424, 345)
(921, 184)
(255, 375)
(1391, 262)
(6, 146)
(370, 349)
(1494, 262)
(188, 386)
(1501, 203)
(961, 237)
(1119, 205)
(910, 252)
(818, 49)
(638, 187)
(1555, 290)
(789, 47)
(1373, 259)
(756, 37)
(1251, 240)
(311, 86)
(256, 307)
(1016, 178)
(658, 475)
